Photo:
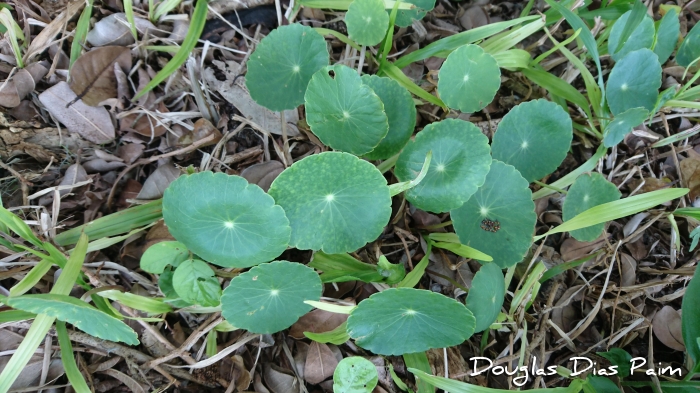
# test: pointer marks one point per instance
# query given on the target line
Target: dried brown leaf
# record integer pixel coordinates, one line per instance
(690, 170)
(74, 174)
(279, 380)
(143, 124)
(474, 17)
(13, 91)
(572, 249)
(92, 123)
(130, 152)
(92, 77)
(263, 174)
(126, 380)
(158, 181)
(320, 363)
(114, 30)
(100, 165)
(629, 270)
(202, 129)
(667, 328)
(317, 321)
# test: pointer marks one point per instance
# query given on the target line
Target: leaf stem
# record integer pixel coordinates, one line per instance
(545, 185)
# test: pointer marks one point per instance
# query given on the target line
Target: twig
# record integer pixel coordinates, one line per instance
(203, 329)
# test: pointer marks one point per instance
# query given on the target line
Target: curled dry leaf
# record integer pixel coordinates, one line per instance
(667, 328)
(158, 181)
(474, 17)
(92, 77)
(202, 129)
(92, 123)
(629, 270)
(102, 165)
(114, 30)
(279, 380)
(690, 170)
(263, 174)
(317, 321)
(320, 363)
(13, 91)
(564, 314)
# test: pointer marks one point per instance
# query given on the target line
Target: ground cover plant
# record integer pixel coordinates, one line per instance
(333, 200)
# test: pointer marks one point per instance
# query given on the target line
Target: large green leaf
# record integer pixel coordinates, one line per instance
(75, 311)
(588, 190)
(225, 220)
(407, 320)
(634, 82)
(162, 254)
(690, 47)
(355, 375)
(469, 79)
(282, 65)
(404, 18)
(667, 32)
(459, 165)
(623, 124)
(499, 219)
(367, 21)
(642, 36)
(534, 137)
(335, 202)
(343, 112)
(399, 109)
(195, 283)
(690, 320)
(486, 295)
(270, 297)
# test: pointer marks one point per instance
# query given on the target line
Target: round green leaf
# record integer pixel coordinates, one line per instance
(589, 190)
(399, 109)
(195, 283)
(486, 295)
(634, 82)
(469, 79)
(225, 220)
(282, 65)
(499, 219)
(690, 47)
(641, 37)
(404, 18)
(534, 137)
(667, 32)
(270, 297)
(458, 168)
(162, 254)
(367, 21)
(407, 320)
(344, 113)
(335, 202)
(165, 283)
(355, 375)
(623, 124)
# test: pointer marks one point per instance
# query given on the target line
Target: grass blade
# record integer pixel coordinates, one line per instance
(419, 361)
(31, 278)
(413, 277)
(396, 74)
(81, 30)
(452, 386)
(67, 358)
(617, 209)
(129, 12)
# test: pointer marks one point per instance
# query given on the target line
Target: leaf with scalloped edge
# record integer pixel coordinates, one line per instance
(335, 202)
(642, 36)
(622, 125)
(270, 297)
(162, 254)
(469, 79)
(225, 220)
(690, 47)
(589, 190)
(282, 64)
(634, 82)
(404, 18)
(486, 295)
(367, 21)
(458, 167)
(194, 281)
(667, 31)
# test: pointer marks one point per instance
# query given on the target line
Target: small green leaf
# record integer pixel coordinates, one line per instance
(270, 297)
(355, 375)
(404, 18)
(469, 79)
(282, 65)
(486, 295)
(393, 273)
(459, 165)
(335, 115)
(400, 111)
(634, 82)
(367, 21)
(534, 137)
(78, 313)
(667, 32)
(690, 47)
(165, 283)
(409, 310)
(690, 319)
(642, 36)
(620, 358)
(225, 220)
(623, 124)
(588, 190)
(600, 385)
(162, 254)
(343, 267)
(195, 283)
(499, 219)
(329, 212)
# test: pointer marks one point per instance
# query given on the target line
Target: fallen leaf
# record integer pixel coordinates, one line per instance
(92, 77)
(474, 17)
(114, 30)
(690, 170)
(158, 181)
(130, 383)
(667, 328)
(317, 321)
(572, 249)
(100, 165)
(202, 129)
(92, 123)
(74, 174)
(320, 363)
(130, 152)
(279, 380)
(143, 124)
(13, 91)
(263, 174)
(629, 270)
